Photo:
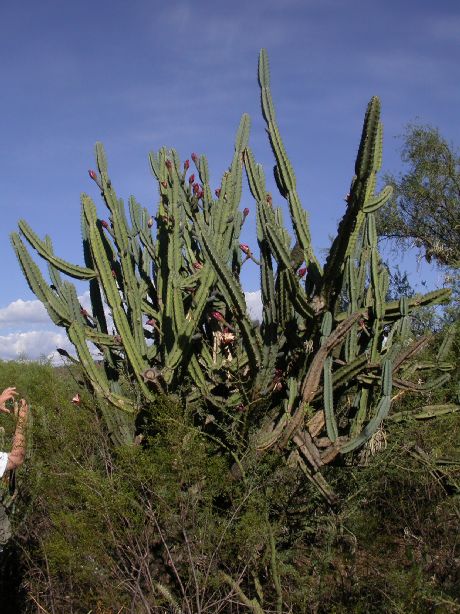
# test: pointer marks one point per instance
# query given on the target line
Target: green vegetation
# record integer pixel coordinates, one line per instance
(424, 211)
(212, 464)
(143, 527)
(313, 381)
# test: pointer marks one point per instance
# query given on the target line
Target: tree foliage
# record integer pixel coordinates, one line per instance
(424, 211)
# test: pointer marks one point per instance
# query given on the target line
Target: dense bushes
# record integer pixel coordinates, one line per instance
(161, 526)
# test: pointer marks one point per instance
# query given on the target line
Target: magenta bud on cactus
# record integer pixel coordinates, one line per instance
(194, 157)
(191, 179)
(301, 272)
(186, 165)
(76, 400)
(217, 316)
(269, 199)
(93, 175)
(244, 248)
(245, 212)
(169, 164)
(200, 194)
(197, 266)
(164, 184)
(196, 188)
(104, 224)
(217, 192)
(150, 322)
(83, 312)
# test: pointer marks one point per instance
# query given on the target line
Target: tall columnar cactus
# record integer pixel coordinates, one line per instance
(314, 379)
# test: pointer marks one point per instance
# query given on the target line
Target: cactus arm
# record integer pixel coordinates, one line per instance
(429, 385)
(331, 422)
(311, 382)
(43, 249)
(191, 322)
(94, 373)
(381, 411)
(53, 272)
(380, 199)
(122, 235)
(113, 298)
(284, 173)
(361, 199)
(235, 296)
(297, 295)
(392, 311)
(54, 305)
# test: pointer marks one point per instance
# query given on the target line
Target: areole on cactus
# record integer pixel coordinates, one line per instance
(308, 360)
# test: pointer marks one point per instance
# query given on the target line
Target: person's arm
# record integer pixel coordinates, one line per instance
(18, 450)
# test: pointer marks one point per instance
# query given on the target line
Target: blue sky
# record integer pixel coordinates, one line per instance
(138, 75)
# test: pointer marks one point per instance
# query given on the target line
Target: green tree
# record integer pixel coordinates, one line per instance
(425, 210)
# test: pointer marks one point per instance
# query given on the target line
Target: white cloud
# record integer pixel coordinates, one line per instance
(33, 345)
(254, 303)
(23, 312)
(21, 342)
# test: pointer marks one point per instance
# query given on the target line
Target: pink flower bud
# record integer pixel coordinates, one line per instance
(191, 179)
(245, 212)
(194, 157)
(196, 188)
(83, 312)
(150, 322)
(164, 184)
(186, 165)
(169, 164)
(76, 399)
(217, 316)
(244, 248)
(197, 266)
(93, 175)
(104, 224)
(301, 272)
(217, 192)
(269, 199)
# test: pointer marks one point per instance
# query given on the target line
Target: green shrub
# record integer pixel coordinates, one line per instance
(143, 527)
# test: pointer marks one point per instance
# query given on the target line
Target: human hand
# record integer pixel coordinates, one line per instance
(7, 395)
